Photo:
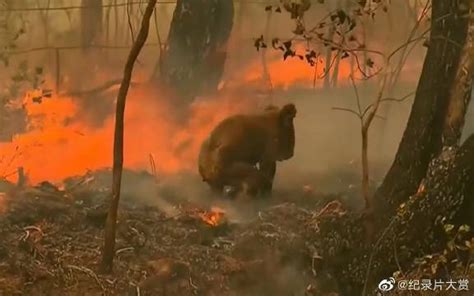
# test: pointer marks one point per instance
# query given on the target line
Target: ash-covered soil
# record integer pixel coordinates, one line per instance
(52, 238)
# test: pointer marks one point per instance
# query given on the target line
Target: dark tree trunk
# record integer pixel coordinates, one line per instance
(412, 233)
(108, 251)
(91, 22)
(193, 60)
(422, 139)
(430, 181)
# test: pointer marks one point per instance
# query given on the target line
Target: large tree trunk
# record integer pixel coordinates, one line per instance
(193, 60)
(91, 21)
(422, 139)
(413, 232)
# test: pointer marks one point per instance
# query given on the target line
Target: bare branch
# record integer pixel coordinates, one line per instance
(356, 91)
(348, 110)
(398, 99)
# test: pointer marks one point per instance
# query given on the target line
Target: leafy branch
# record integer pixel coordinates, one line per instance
(345, 40)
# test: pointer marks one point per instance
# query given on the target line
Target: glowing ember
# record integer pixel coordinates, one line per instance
(214, 217)
(421, 188)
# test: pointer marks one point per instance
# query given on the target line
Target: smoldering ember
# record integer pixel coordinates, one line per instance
(251, 147)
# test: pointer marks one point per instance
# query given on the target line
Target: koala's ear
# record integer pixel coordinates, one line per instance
(287, 113)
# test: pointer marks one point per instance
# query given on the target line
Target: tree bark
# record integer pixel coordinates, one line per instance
(430, 181)
(108, 251)
(194, 58)
(413, 232)
(422, 139)
(460, 93)
(91, 22)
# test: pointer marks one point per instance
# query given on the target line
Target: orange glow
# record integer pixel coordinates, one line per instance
(294, 71)
(214, 217)
(59, 144)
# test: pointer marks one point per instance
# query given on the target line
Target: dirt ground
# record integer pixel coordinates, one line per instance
(52, 238)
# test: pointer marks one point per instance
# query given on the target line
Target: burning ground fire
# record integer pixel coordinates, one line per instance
(214, 217)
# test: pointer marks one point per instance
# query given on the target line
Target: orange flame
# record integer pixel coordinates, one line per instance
(214, 217)
(296, 72)
(60, 143)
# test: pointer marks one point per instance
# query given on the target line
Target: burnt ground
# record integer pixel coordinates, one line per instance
(51, 240)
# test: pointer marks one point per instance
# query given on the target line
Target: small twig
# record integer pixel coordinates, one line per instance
(88, 272)
(25, 236)
(129, 21)
(192, 284)
(124, 250)
(348, 110)
(399, 99)
(388, 100)
(26, 228)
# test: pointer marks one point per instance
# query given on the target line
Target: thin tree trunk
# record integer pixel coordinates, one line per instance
(107, 25)
(327, 66)
(156, 70)
(267, 79)
(108, 251)
(116, 28)
(335, 69)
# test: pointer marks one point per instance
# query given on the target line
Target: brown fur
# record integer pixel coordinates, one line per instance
(229, 156)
